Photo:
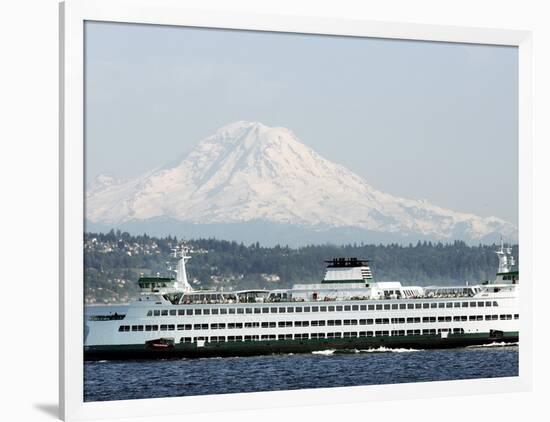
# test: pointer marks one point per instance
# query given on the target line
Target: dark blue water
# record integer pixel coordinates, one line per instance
(188, 377)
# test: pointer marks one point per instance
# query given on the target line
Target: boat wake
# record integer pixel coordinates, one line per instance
(324, 352)
(383, 349)
(495, 344)
(373, 350)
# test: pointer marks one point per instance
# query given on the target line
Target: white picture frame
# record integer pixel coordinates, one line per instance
(73, 14)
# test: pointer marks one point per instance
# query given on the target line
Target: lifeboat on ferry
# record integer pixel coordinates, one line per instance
(160, 344)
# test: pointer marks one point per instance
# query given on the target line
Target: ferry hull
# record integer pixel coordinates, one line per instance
(254, 348)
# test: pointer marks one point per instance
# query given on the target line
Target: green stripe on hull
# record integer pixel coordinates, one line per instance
(251, 348)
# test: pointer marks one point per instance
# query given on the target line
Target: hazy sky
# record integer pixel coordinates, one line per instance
(434, 121)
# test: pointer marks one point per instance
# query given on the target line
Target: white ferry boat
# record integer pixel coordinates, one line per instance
(347, 310)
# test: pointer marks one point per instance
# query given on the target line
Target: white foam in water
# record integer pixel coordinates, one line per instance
(495, 344)
(323, 352)
(383, 349)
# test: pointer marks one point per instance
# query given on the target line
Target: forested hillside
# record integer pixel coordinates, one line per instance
(114, 261)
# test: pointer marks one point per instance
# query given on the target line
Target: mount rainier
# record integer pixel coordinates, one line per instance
(252, 182)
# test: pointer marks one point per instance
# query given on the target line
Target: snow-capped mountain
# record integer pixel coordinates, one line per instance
(251, 172)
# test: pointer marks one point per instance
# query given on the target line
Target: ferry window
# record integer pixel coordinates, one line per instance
(189, 312)
(290, 309)
(516, 316)
(180, 327)
(122, 328)
(215, 311)
(149, 313)
(298, 309)
(371, 307)
(240, 310)
(339, 308)
(156, 312)
(248, 310)
(181, 311)
(355, 308)
(273, 310)
(347, 308)
(314, 309)
(282, 310)
(331, 308)
(307, 309)
(425, 305)
(195, 327)
(495, 303)
(410, 305)
(480, 304)
(488, 303)
(433, 305)
(170, 327)
(395, 306)
(173, 312)
(402, 306)
(207, 312)
(198, 311)
(378, 307)
(363, 307)
(387, 306)
(457, 304)
(472, 304)
(323, 309)
(472, 318)
(464, 304)
(265, 310)
(163, 327)
(164, 312)
(449, 305)
(417, 305)
(231, 310)
(223, 311)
